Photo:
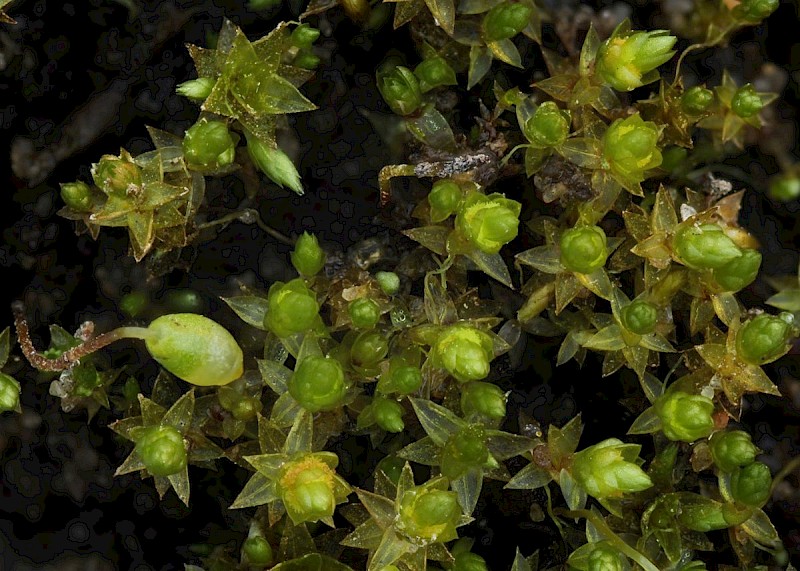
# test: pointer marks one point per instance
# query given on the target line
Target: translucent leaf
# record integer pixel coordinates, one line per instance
(5, 346)
(529, 478)
(597, 282)
(256, 492)
(583, 152)
(439, 422)
(432, 237)
(564, 441)
(664, 218)
(380, 509)
(366, 536)
(275, 376)
(534, 159)
(726, 306)
(439, 307)
(301, 435)
(180, 414)
(646, 423)
(312, 562)
(607, 339)
(521, 563)
(250, 308)
(285, 410)
(423, 451)
(506, 51)
(444, 11)
(432, 129)
(492, 265)
(546, 259)
(573, 493)
(503, 445)
(180, 483)
(652, 387)
(787, 300)
(480, 60)
(468, 489)
(131, 464)
(656, 342)
(296, 541)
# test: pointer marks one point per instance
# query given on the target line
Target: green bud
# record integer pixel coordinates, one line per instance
(605, 557)
(639, 317)
(291, 308)
(77, 195)
(274, 163)
(709, 515)
(732, 449)
(751, 484)
(505, 21)
(404, 380)
(196, 89)
(696, 100)
(434, 72)
(389, 282)
(753, 11)
(630, 146)
(388, 414)
(304, 35)
(483, 398)
(673, 158)
(134, 303)
(307, 257)
(318, 383)
(116, 176)
(468, 561)
(584, 249)
(704, 246)
(610, 469)
(464, 352)
(162, 450)
(246, 408)
(306, 60)
(444, 198)
(209, 145)
(400, 89)
(785, 188)
(548, 126)
(9, 393)
(746, 102)
(764, 338)
(429, 514)
(628, 60)
(257, 551)
(488, 222)
(684, 416)
(306, 486)
(464, 450)
(739, 272)
(195, 348)
(364, 312)
(369, 348)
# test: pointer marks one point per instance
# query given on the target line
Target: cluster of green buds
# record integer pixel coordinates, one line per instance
(598, 556)
(630, 149)
(696, 100)
(548, 126)
(257, 551)
(369, 348)
(364, 312)
(387, 413)
(465, 352)
(732, 449)
(464, 450)
(610, 469)
(429, 513)
(444, 199)
(9, 393)
(434, 72)
(753, 11)
(685, 417)
(639, 317)
(485, 399)
(583, 249)
(746, 102)
(764, 338)
(751, 484)
(117, 176)
(505, 20)
(400, 89)
(302, 38)
(78, 196)
(488, 222)
(310, 488)
(274, 163)
(292, 308)
(403, 375)
(196, 89)
(208, 145)
(629, 59)
(307, 257)
(161, 449)
(784, 188)
(318, 383)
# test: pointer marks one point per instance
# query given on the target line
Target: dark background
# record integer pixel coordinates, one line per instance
(60, 506)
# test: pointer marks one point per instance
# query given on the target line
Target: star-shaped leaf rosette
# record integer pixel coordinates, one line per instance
(464, 452)
(166, 442)
(406, 525)
(291, 478)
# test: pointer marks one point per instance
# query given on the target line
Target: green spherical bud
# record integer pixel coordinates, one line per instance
(753, 11)
(400, 89)
(306, 487)
(307, 257)
(162, 450)
(696, 100)
(9, 393)
(488, 222)
(134, 303)
(673, 158)
(389, 282)
(605, 557)
(77, 195)
(208, 145)
(739, 272)
(684, 416)
(246, 408)
(704, 246)
(505, 21)
(444, 199)
(732, 449)
(274, 163)
(429, 514)
(627, 61)
(483, 398)
(291, 308)
(785, 188)
(464, 450)
(746, 102)
(584, 249)
(364, 312)
(405, 379)
(116, 176)
(639, 317)
(369, 349)
(467, 561)
(195, 348)
(196, 89)
(464, 352)
(630, 146)
(304, 35)
(318, 383)
(548, 126)
(764, 338)
(257, 551)
(434, 72)
(306, 60)
(388, 414)
(751, 484)
(610, 469)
